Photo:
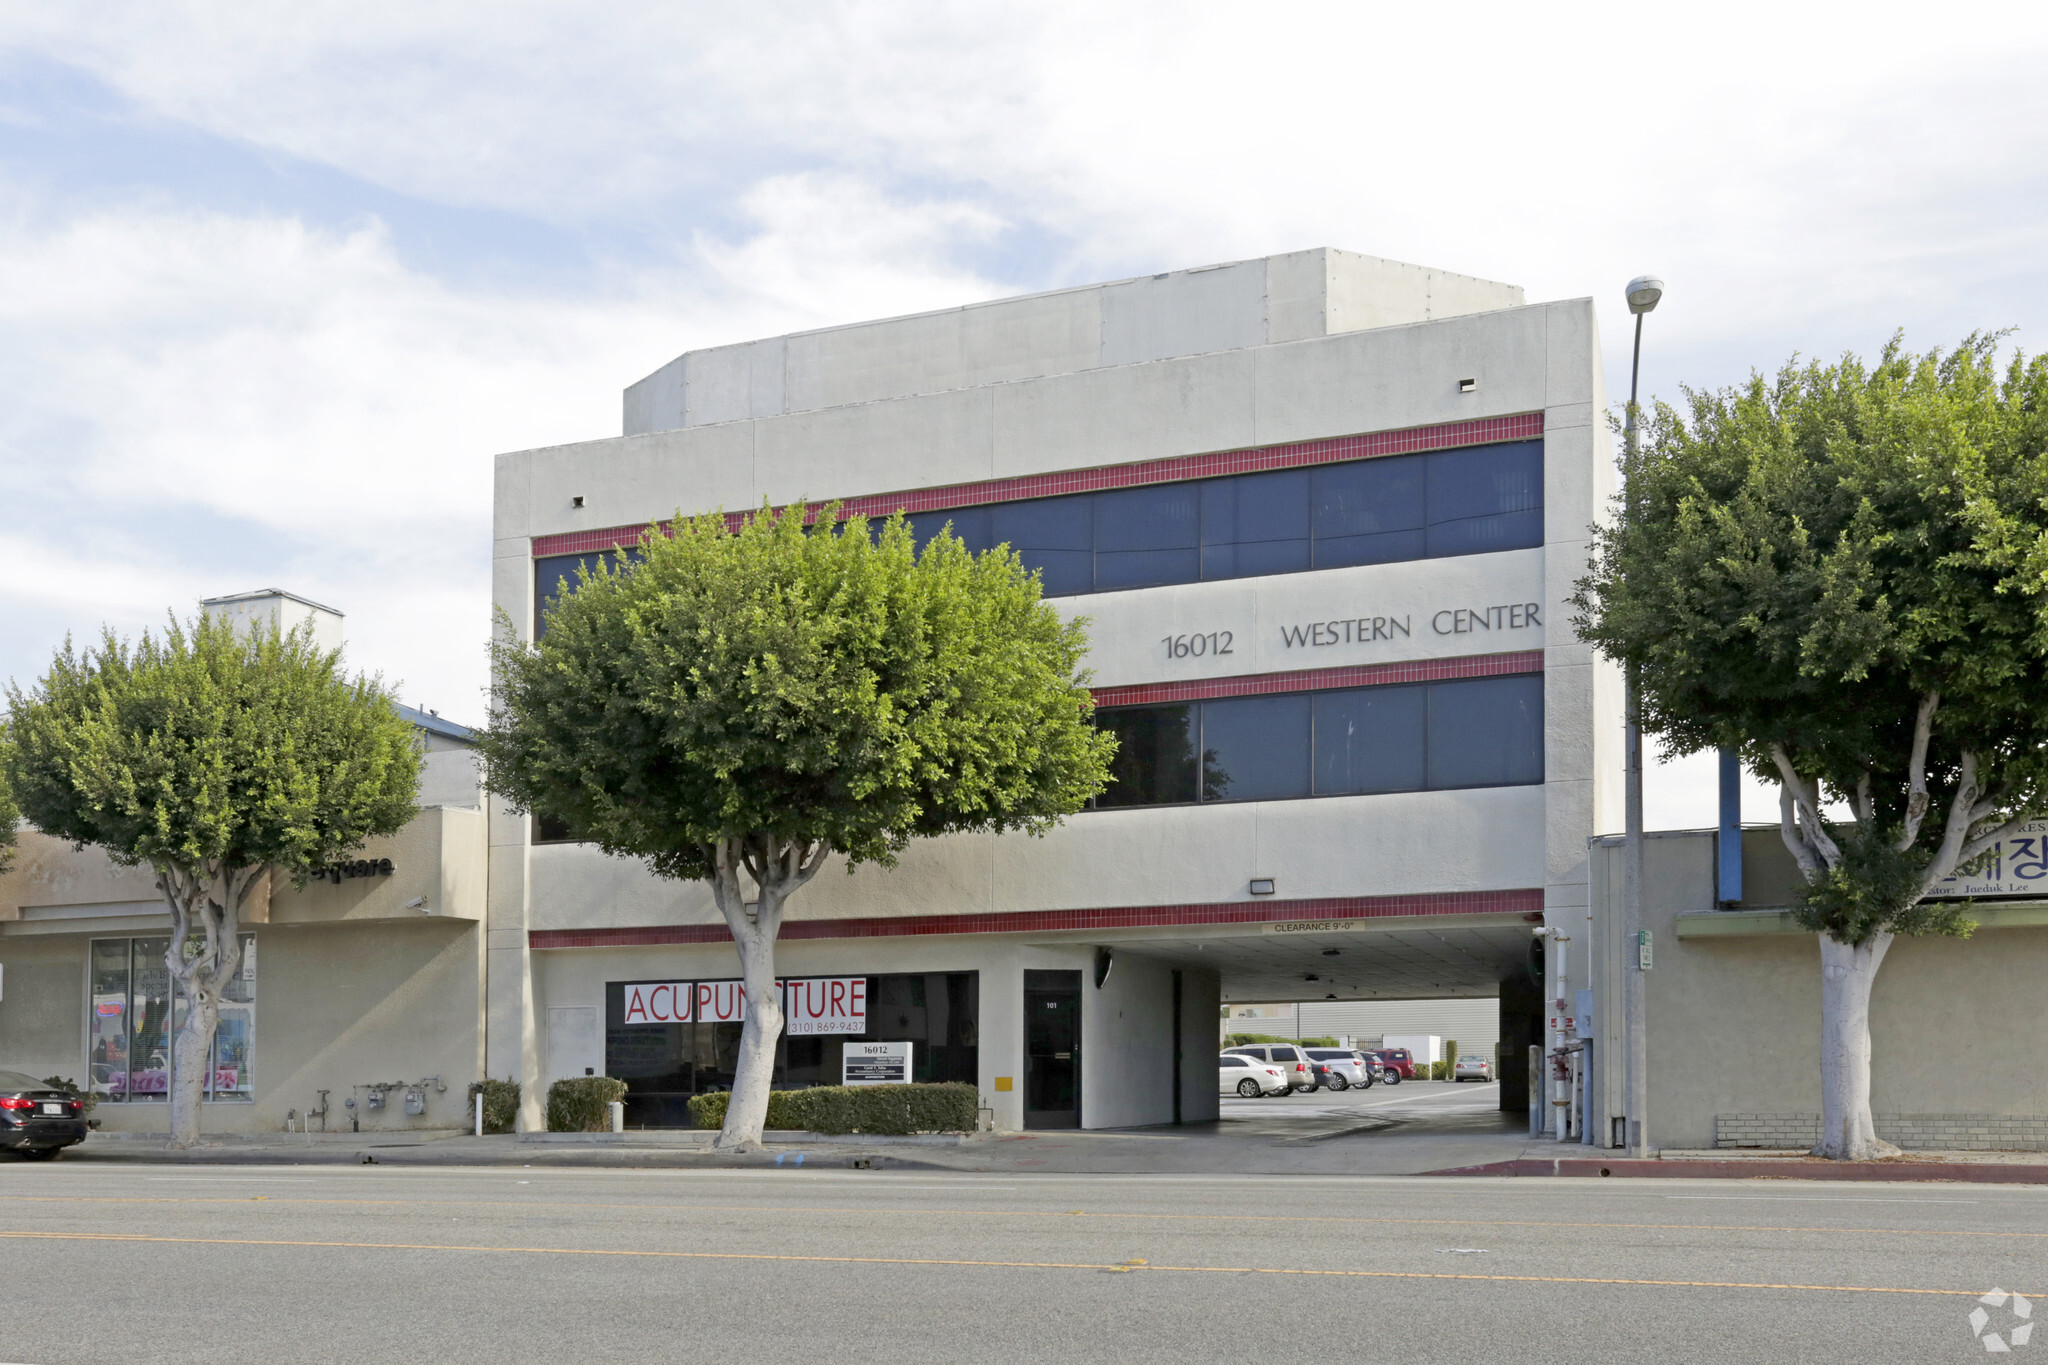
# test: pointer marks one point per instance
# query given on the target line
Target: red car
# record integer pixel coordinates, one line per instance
(1398, 1061)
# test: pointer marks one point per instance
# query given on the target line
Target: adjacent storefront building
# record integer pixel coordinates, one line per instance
(359, 1000)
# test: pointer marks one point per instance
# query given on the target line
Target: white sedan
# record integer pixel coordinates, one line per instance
(1248, 1076)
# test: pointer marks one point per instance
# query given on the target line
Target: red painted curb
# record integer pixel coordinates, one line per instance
(1980, 1173)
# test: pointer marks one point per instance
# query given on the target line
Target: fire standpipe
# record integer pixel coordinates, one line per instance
(1569, 1075)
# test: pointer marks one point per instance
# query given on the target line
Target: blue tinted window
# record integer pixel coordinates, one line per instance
(1165, 516)
(1053, 536)
(970, 524)
(1145, 568)
(1155, 755)
(1388, 547)
(1255, 524)
(1044, 523)
(1484, 480)
(1371, 739)
(1369, 497)
(1254, 559)
(1255, 748)
(1485, 499)
(1470, 732)
(550, 574)
(1375, 511)
(1486, 732)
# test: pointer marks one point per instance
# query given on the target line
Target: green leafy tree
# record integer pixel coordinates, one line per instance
(739, 706)
(1840, 572)
(218, 758)
(10, 815)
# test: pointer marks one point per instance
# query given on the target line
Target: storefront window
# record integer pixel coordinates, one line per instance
(664, 1064)
(131, 1030)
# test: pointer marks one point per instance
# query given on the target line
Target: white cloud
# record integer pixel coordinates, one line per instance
(1801, 181)
(208, 403)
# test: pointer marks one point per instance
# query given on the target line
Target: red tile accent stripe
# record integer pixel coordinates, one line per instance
(1521, 427)
(1525, 901)
(1317, 679)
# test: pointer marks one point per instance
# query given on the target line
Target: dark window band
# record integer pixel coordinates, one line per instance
(1379, 510)
(1473, 500)
(1433, 736)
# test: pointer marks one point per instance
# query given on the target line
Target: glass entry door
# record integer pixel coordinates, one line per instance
(1052, 1049)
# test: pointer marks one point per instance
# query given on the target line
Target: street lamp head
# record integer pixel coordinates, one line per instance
(1643, 293)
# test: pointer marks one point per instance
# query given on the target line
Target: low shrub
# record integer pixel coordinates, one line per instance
(1246, 1039)
(501, 1104)
(59, 1083)
(582, 1104)
(895, 1110)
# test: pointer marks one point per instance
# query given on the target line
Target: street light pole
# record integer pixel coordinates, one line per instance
(1643, 293)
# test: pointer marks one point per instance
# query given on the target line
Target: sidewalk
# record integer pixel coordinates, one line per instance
(1566, 1159)
(1445, 1148)
(667, 1148)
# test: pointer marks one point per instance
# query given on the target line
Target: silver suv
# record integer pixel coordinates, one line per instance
(1289, 1057)
(1344, 1067)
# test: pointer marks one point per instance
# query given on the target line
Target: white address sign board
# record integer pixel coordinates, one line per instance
(875, 1064)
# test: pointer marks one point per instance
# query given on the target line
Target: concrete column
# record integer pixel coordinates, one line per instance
(1002, 1038)
(1201, 1005)
(511, 1049)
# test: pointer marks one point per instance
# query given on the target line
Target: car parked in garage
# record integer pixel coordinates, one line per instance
(1340, 1068)
(1288, 1057)
(1472, 1067)
(1248, 1077)
(35, 1119)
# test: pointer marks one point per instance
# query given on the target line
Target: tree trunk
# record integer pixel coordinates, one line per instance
(203, 977)
(747, 1110)
(1846, 975)
(192, 1049)
(777, 867)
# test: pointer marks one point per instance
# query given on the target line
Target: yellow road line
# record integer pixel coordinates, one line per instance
(941, 1261)
(1007, 1213)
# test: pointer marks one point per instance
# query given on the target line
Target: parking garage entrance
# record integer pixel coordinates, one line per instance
(1493, 956)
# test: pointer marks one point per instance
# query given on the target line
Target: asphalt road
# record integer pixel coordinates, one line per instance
(503, 1264)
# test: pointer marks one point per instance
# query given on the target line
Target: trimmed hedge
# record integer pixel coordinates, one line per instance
(583, 1104)
(501, 1104)
(1245, 1039)
(897, 1110)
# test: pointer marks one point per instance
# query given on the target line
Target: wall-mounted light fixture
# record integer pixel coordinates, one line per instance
(1467, 385)
(1262, 886)
(576, 501)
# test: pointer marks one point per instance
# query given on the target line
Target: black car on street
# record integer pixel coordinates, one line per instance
(37, 1120)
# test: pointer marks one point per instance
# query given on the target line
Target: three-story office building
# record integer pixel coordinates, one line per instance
(1323, 512)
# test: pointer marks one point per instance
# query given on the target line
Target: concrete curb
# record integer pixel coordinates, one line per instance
(686, 1140)
(1968, 1172)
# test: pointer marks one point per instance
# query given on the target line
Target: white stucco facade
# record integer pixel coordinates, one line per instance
(1429, 892)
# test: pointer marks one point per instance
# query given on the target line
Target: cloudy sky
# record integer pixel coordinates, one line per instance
(276, 283)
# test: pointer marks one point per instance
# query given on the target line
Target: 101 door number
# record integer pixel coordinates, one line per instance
(1195, 646)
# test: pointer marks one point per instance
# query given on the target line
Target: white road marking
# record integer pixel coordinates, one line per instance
(1815, 1199)
(229, 1179)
